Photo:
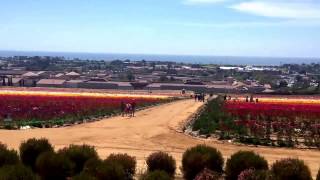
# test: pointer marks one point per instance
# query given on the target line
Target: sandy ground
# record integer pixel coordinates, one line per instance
(151, 130)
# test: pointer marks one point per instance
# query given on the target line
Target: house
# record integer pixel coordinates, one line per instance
(97, 85)
(73, 83)
(124, 85)
(11, 81)
(172, 86)
(43, 74)
(30, 79)
(223, 88)
(72, 75)
(59, 76)
(17, 82)
(57, 83)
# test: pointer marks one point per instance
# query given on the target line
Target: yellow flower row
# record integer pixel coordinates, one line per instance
(282, 100)
(82, 94)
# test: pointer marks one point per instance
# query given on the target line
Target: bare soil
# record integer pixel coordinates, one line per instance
(153, 129)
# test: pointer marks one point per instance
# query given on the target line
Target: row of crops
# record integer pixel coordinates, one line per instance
(272, 121)
(22, 108)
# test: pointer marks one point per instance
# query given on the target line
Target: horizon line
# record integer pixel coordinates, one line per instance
(160, 54)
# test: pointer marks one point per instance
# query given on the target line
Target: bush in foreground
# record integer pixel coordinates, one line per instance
(243, 160)
(8, 157)
(16, 172)
(127, 162)
(110, 171)
(156, 175)
(161, 161)
(91, 166)
(84, 176)
(287, 169)
(53, 166)
(31, 149)
(79, 155)
(197, 158)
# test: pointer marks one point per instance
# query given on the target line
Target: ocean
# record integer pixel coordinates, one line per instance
(220, 60)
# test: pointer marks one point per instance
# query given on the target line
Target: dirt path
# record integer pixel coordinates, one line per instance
(151, 130)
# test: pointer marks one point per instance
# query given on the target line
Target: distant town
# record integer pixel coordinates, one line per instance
(57, 72)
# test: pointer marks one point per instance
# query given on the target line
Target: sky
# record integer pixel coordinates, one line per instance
(277, 28)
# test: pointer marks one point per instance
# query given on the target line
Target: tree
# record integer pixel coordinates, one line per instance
(79, 155)
(53, 166)
(127, 162)
(130, 76)
(243, 160)
(16, 172)
(31, 149)
(287, 169)
(8, 157)
(198, 158)
(161, 161)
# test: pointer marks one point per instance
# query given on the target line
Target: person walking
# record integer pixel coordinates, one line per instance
(122, 108)
(133, 107)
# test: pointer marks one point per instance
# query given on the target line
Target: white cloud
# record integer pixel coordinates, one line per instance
(284, 9)
(252, 24)
(193, 2)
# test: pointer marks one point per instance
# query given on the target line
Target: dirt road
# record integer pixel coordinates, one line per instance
(151, 130)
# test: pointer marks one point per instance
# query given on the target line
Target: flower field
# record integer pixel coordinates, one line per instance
(270, 121)
(290, 121)
(36, 107)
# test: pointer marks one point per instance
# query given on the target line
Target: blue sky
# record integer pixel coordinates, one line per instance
(197, 27)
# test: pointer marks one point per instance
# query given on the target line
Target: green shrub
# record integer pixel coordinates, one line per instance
(31, 149)
(207, 174)
(243, 160)
(161, 161)
(197, 158)
(156, 175)
(8, 157)
(53, 166)
(79, 155)
(318, 176)
(16, 172)
(110, 171)
(287, 169)
(84, 176)
(127, 162)
(91, 166)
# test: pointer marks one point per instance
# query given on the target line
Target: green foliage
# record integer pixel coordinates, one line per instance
(211, 118)
(53, 166)
(16, 172)
(127, 162)
(91, 166)
(8, 157)
(287, 169)
(243, 160)
(79, 154)
(109, 170)
(161, 161)
(156, 175)
(197, 158)
(84, 176)
(31, 149)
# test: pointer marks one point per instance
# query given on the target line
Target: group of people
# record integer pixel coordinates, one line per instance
(199, 97)
(248, 99)
(128, 109)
